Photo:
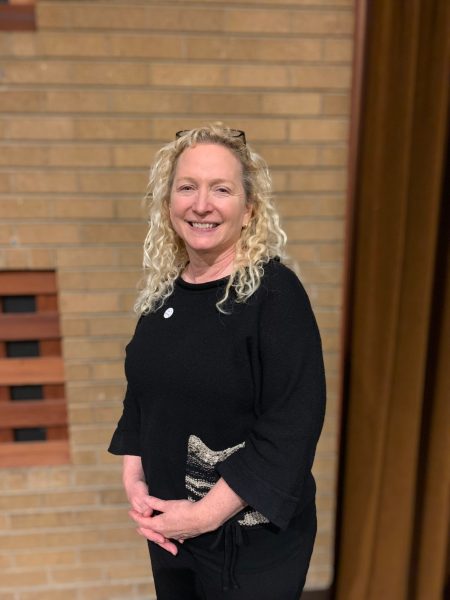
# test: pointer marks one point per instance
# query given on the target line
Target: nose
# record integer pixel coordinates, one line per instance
(201, 204)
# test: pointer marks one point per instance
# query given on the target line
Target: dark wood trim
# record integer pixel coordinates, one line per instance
(17, 17)
(29, 326)
(28, 282)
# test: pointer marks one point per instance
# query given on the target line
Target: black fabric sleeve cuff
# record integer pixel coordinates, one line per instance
(275, 505)
(125, 442)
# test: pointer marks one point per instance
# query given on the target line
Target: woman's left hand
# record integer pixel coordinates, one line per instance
(179, 519)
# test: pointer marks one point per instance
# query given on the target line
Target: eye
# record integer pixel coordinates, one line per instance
(222, 190)
(185, 187)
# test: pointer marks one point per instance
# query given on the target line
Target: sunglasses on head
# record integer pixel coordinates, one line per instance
(237, 133)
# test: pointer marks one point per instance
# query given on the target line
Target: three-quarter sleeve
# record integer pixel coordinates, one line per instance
(126, 437)
(272, 471)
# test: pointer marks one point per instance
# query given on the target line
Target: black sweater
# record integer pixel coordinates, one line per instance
(240, 396)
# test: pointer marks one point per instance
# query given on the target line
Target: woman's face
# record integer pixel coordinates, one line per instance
(208, 207)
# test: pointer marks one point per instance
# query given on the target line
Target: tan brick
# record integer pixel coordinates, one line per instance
(336, 104)
(114, 233)
(98, 280)
(88, 302)
(291, 155)
(291, 103)
(50, 539)
(44, 559)
(12, 480)
(113, 182)
(328, 319)
(22, 101)
(338, 50)
(246, 49)
(117, 73)
(23, 43)
(87, 257)
(330, 22)
(48, 233)
(324, 77)
(300, 252)
(112, 592)
(310, 206)
(97, 391)
(116, 128)
(36, 72)
(80, 155)
(6, 561)
(133, 155)
(96, 349)
(258, 76)
(319, 130)
(49, 594)
(118, 325)
(124, 534)
(224, 103)
(334, 156)
(84, 436)
(111, 370)
(331, 252)
(66, 518)
(48, 478)
(19, 501)
(134, 570)
(84, 457)
(45, 181)
(76, 574)
(145, 46)
(67, 44)
(77, 372)
(198, 75)
(313, 230)
(5, 181)
(23, 207)
(82, 208)
(147, 589)
(113, 496)
(131, 208)
(252, 20)
(137, 101)
(84, 101)
(320, 181)
(321, 274)
(42, 128)
(328, 296)
(26, 258)
(16, 578)
(71, 327)
(23, 155)
(73, 498)
(103, 477)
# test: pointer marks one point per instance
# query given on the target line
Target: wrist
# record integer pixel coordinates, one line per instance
(205, 516)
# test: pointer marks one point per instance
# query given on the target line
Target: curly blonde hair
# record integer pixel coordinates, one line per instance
(165, 255)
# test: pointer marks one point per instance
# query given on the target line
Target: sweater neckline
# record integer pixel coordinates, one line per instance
(206, 285)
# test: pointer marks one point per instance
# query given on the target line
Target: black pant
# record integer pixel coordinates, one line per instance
(271, 565)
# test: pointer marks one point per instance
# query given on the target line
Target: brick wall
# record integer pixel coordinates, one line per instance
(85, 101)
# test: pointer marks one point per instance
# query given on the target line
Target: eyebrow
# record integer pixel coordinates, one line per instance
(212, 182)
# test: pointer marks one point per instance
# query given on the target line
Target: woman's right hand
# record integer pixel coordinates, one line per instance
(137, 493)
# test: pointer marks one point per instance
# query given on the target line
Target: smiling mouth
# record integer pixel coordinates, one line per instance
(203, 226)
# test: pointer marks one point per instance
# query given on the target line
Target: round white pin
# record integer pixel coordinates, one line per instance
(168, 313)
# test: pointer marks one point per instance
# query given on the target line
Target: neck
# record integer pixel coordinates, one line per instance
(201, 269)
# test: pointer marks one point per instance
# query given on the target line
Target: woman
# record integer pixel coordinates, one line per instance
(225, 397)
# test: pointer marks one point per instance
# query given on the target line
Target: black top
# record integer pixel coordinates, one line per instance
(240, 395)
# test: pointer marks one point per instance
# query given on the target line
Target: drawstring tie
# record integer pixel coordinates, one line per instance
(232, 535)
